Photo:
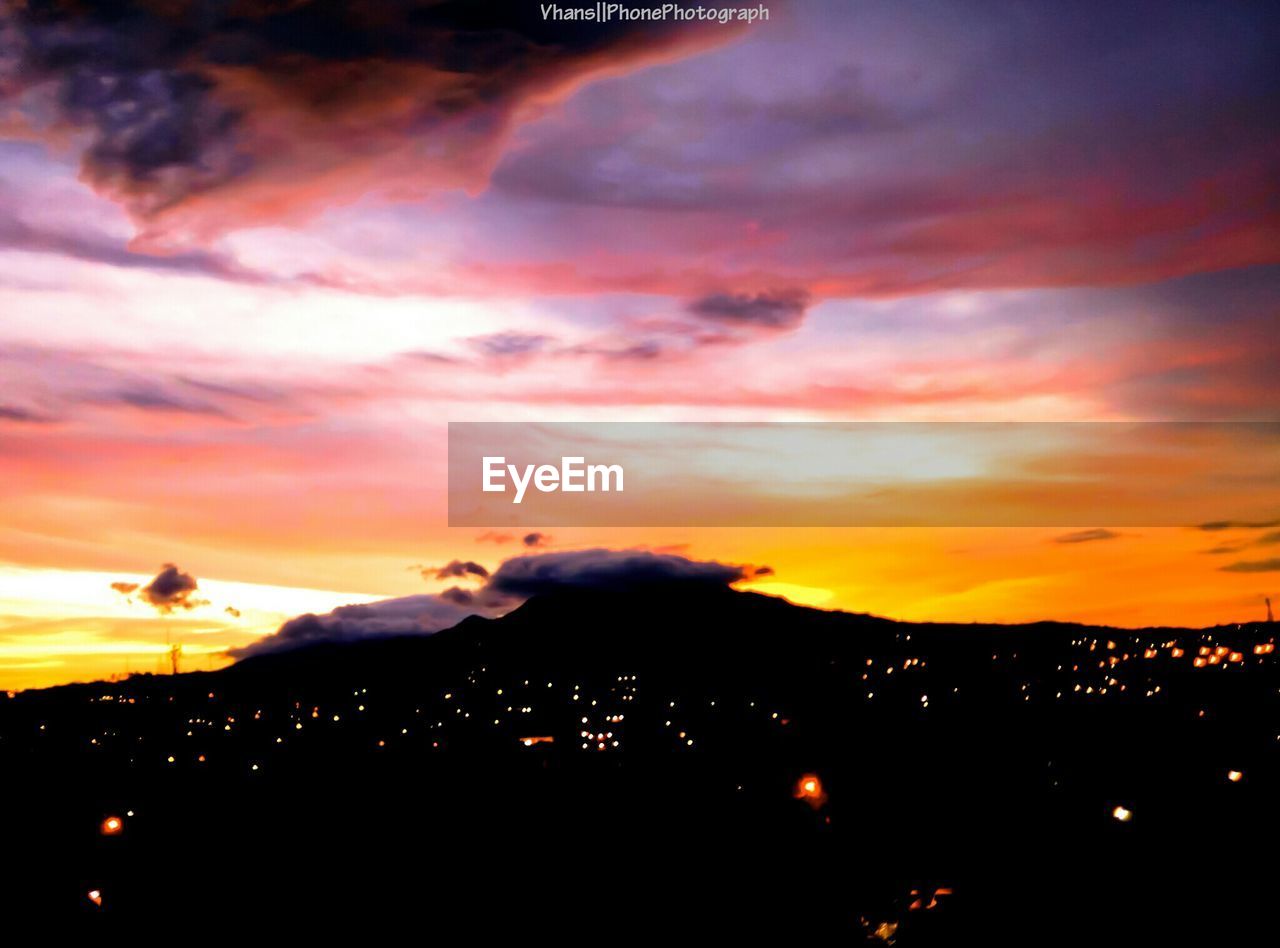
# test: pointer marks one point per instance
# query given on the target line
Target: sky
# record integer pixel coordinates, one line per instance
(255, 256)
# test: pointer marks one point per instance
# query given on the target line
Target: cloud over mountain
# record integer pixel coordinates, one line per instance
(408, 615)
(524, 576)
(516, 580)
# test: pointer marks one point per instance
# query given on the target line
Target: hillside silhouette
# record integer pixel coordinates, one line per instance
(670, 762)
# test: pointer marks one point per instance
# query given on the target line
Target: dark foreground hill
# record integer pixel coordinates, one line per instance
(669, 763)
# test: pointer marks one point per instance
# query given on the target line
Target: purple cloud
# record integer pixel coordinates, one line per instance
(171, 589)
(777, 309)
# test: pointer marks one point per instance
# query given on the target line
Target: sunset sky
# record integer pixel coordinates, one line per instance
(249, 272)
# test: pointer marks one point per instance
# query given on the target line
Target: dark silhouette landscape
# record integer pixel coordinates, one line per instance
(668, 762)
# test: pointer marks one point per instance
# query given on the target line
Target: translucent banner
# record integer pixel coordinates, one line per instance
(1092, 474)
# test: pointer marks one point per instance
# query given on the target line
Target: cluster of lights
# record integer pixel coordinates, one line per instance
(603, 740)
(808, 788)
(919, 904)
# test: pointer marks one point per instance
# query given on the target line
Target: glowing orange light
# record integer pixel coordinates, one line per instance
(1198, 662)
(95, 896)
(1265, 648)
(1235, 776)
(809, 789)
(1121, 814)
(885, 931)
(1150, 653)
(1235, 657)
(1177, 653)
(112, 826)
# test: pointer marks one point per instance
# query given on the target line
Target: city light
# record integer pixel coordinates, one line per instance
(809, 789)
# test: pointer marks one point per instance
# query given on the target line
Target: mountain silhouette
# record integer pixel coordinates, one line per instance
(671, 759)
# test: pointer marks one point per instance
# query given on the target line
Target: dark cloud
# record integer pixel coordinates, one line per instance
(23, 416)
(98, 248)
(458, 596)
(1087, 536)
(243, 391)
(509, 344)
(456, 569)
(646, 350)
(1253, 566)
(63, 380)
(525, 576)
(490, 536)
(1215, 525)
(232, 611)
(777, 309)
(152, 398)
(583, 170)
(962, 177)
(646, 341)
(1268, 539)
(535, 539)
(513, 582)
(171, 589)
(410, 615)
(183, 100)
(125, 589)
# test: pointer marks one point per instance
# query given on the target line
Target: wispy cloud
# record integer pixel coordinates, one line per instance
(1087, 536)
(1253, 566)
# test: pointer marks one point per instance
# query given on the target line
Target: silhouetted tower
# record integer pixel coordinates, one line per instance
(1270, 617)
(174, 651)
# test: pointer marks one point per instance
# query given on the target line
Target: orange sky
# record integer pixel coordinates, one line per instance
(234, 323)
(67, 624)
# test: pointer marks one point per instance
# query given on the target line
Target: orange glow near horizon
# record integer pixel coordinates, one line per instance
(59, 626)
